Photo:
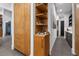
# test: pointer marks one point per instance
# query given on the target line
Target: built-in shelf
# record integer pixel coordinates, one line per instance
(41, 30)
(42, 24)
(42, 7)
(41, 17)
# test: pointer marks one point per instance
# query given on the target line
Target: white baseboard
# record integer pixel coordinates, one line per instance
(73, 51)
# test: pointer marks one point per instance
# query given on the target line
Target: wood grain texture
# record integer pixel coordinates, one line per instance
(41, 42)
(22, 27)
(41, 16)
(41, 45)
(28, 27)
(77, 31)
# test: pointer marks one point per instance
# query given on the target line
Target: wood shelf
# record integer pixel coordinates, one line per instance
(41, 24)
(42, 7)
(41, 15)
(41, 30)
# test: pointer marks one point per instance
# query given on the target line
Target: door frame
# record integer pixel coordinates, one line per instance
(12, 27)
(60, 28)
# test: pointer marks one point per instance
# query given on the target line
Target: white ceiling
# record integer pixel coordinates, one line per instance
(63, 8)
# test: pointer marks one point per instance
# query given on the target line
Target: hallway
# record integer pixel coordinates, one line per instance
(61, 48)
(5, 48)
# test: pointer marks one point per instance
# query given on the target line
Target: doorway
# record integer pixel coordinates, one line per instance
(8, 28)
(62, 29)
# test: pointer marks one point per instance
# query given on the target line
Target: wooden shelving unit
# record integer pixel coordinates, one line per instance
(41, 17)
(0, 25)
(41, 40)
(42, 7)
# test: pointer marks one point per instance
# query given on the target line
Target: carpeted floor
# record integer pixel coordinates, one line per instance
(61, 48)
(5, 48)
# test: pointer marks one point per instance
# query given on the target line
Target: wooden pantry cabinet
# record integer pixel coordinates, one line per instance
(77, 29)
(41, 37)
(41, 47)
(22, 27)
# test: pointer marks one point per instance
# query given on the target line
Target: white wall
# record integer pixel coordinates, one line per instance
(0, 10)
(7, 16)
(73, 28)
(53, 32)
(7, 6)
(32, 27)
(6, 10)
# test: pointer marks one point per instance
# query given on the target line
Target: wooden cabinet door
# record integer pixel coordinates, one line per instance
(22, 27)
(39, 49)
(27, 27)
(19, 27)
(77, 30)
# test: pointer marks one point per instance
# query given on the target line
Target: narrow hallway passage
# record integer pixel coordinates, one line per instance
(61, 48)
(5, 48)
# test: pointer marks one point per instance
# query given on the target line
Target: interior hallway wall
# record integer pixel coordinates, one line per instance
(73, 28)
(0, 10)
(7, 17)
(52, 31)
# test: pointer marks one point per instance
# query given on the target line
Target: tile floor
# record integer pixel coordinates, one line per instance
(61, 48)
(5, 48)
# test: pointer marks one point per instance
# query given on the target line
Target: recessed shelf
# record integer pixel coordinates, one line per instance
(42, 7)
(42, 24)
(41, 15)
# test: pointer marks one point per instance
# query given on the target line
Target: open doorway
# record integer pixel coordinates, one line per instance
(8, 28)
(7, 39)
(62, 28)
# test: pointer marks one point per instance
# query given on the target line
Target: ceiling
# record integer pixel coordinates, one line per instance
(63, 8)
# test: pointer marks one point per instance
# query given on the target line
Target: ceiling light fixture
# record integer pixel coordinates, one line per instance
(61, 10)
